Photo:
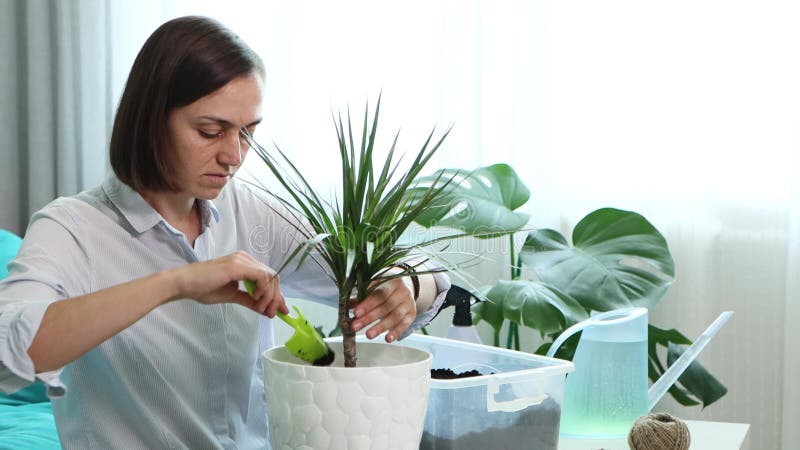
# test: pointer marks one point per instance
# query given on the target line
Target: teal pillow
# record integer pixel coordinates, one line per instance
(28, 427)
(35, 393)
(9, 246)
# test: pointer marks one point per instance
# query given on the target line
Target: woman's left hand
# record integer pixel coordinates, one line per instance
(392, 305)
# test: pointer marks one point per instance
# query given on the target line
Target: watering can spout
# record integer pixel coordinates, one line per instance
(671, 375)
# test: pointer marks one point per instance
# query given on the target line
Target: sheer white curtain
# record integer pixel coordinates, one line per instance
(684, 111)
(790, 357)
(688, 113)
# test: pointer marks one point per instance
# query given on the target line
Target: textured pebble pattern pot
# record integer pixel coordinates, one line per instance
(379, 405)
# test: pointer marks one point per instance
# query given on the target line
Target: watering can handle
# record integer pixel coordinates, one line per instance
(580, 326)
(566, 335)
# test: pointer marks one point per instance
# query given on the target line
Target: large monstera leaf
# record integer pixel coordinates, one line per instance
(479, 201)
(618, 259)
(529, 304)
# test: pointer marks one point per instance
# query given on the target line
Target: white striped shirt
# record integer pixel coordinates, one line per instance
(187, 375)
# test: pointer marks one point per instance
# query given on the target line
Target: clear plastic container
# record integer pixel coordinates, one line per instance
(514, 404)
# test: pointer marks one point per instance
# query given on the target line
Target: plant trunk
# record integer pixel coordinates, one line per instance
(348, 334)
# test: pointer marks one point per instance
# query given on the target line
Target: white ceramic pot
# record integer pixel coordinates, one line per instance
(379, 405)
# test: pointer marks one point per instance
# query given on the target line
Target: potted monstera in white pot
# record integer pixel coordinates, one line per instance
(381, 402)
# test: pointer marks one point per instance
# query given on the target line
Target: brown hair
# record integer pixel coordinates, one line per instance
(183, 60)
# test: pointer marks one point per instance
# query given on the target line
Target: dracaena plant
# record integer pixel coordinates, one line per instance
(617, 259)
(356, 237)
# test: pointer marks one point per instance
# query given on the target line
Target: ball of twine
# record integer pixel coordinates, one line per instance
(659, 431)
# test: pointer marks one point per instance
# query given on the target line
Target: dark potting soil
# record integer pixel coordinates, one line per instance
(448, 374)
(534, 428)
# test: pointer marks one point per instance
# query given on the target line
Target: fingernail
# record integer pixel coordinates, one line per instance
(389, 338)
(358, 312)
(356, 326)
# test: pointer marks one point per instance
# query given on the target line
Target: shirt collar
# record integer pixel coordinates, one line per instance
(208, 210)
(140, 214)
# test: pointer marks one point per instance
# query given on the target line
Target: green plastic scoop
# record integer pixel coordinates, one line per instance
(306, 343)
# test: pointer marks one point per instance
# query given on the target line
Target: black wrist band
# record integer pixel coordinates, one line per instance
(414, 279)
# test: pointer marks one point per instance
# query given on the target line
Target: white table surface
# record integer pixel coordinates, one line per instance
(705, 436)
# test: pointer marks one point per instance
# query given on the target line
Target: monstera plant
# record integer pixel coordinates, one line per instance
(616, 259)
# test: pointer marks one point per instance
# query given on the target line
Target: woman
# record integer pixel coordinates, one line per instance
(125, 299)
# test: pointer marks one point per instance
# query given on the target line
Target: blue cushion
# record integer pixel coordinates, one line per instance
(9, 246)
(28, 427)
(35, 393)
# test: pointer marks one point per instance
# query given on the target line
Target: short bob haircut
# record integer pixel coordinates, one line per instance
(184, 60)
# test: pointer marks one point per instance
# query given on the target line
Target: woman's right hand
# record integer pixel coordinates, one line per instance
(217, 281)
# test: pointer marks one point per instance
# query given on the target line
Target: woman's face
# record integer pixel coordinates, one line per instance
(206, 145)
